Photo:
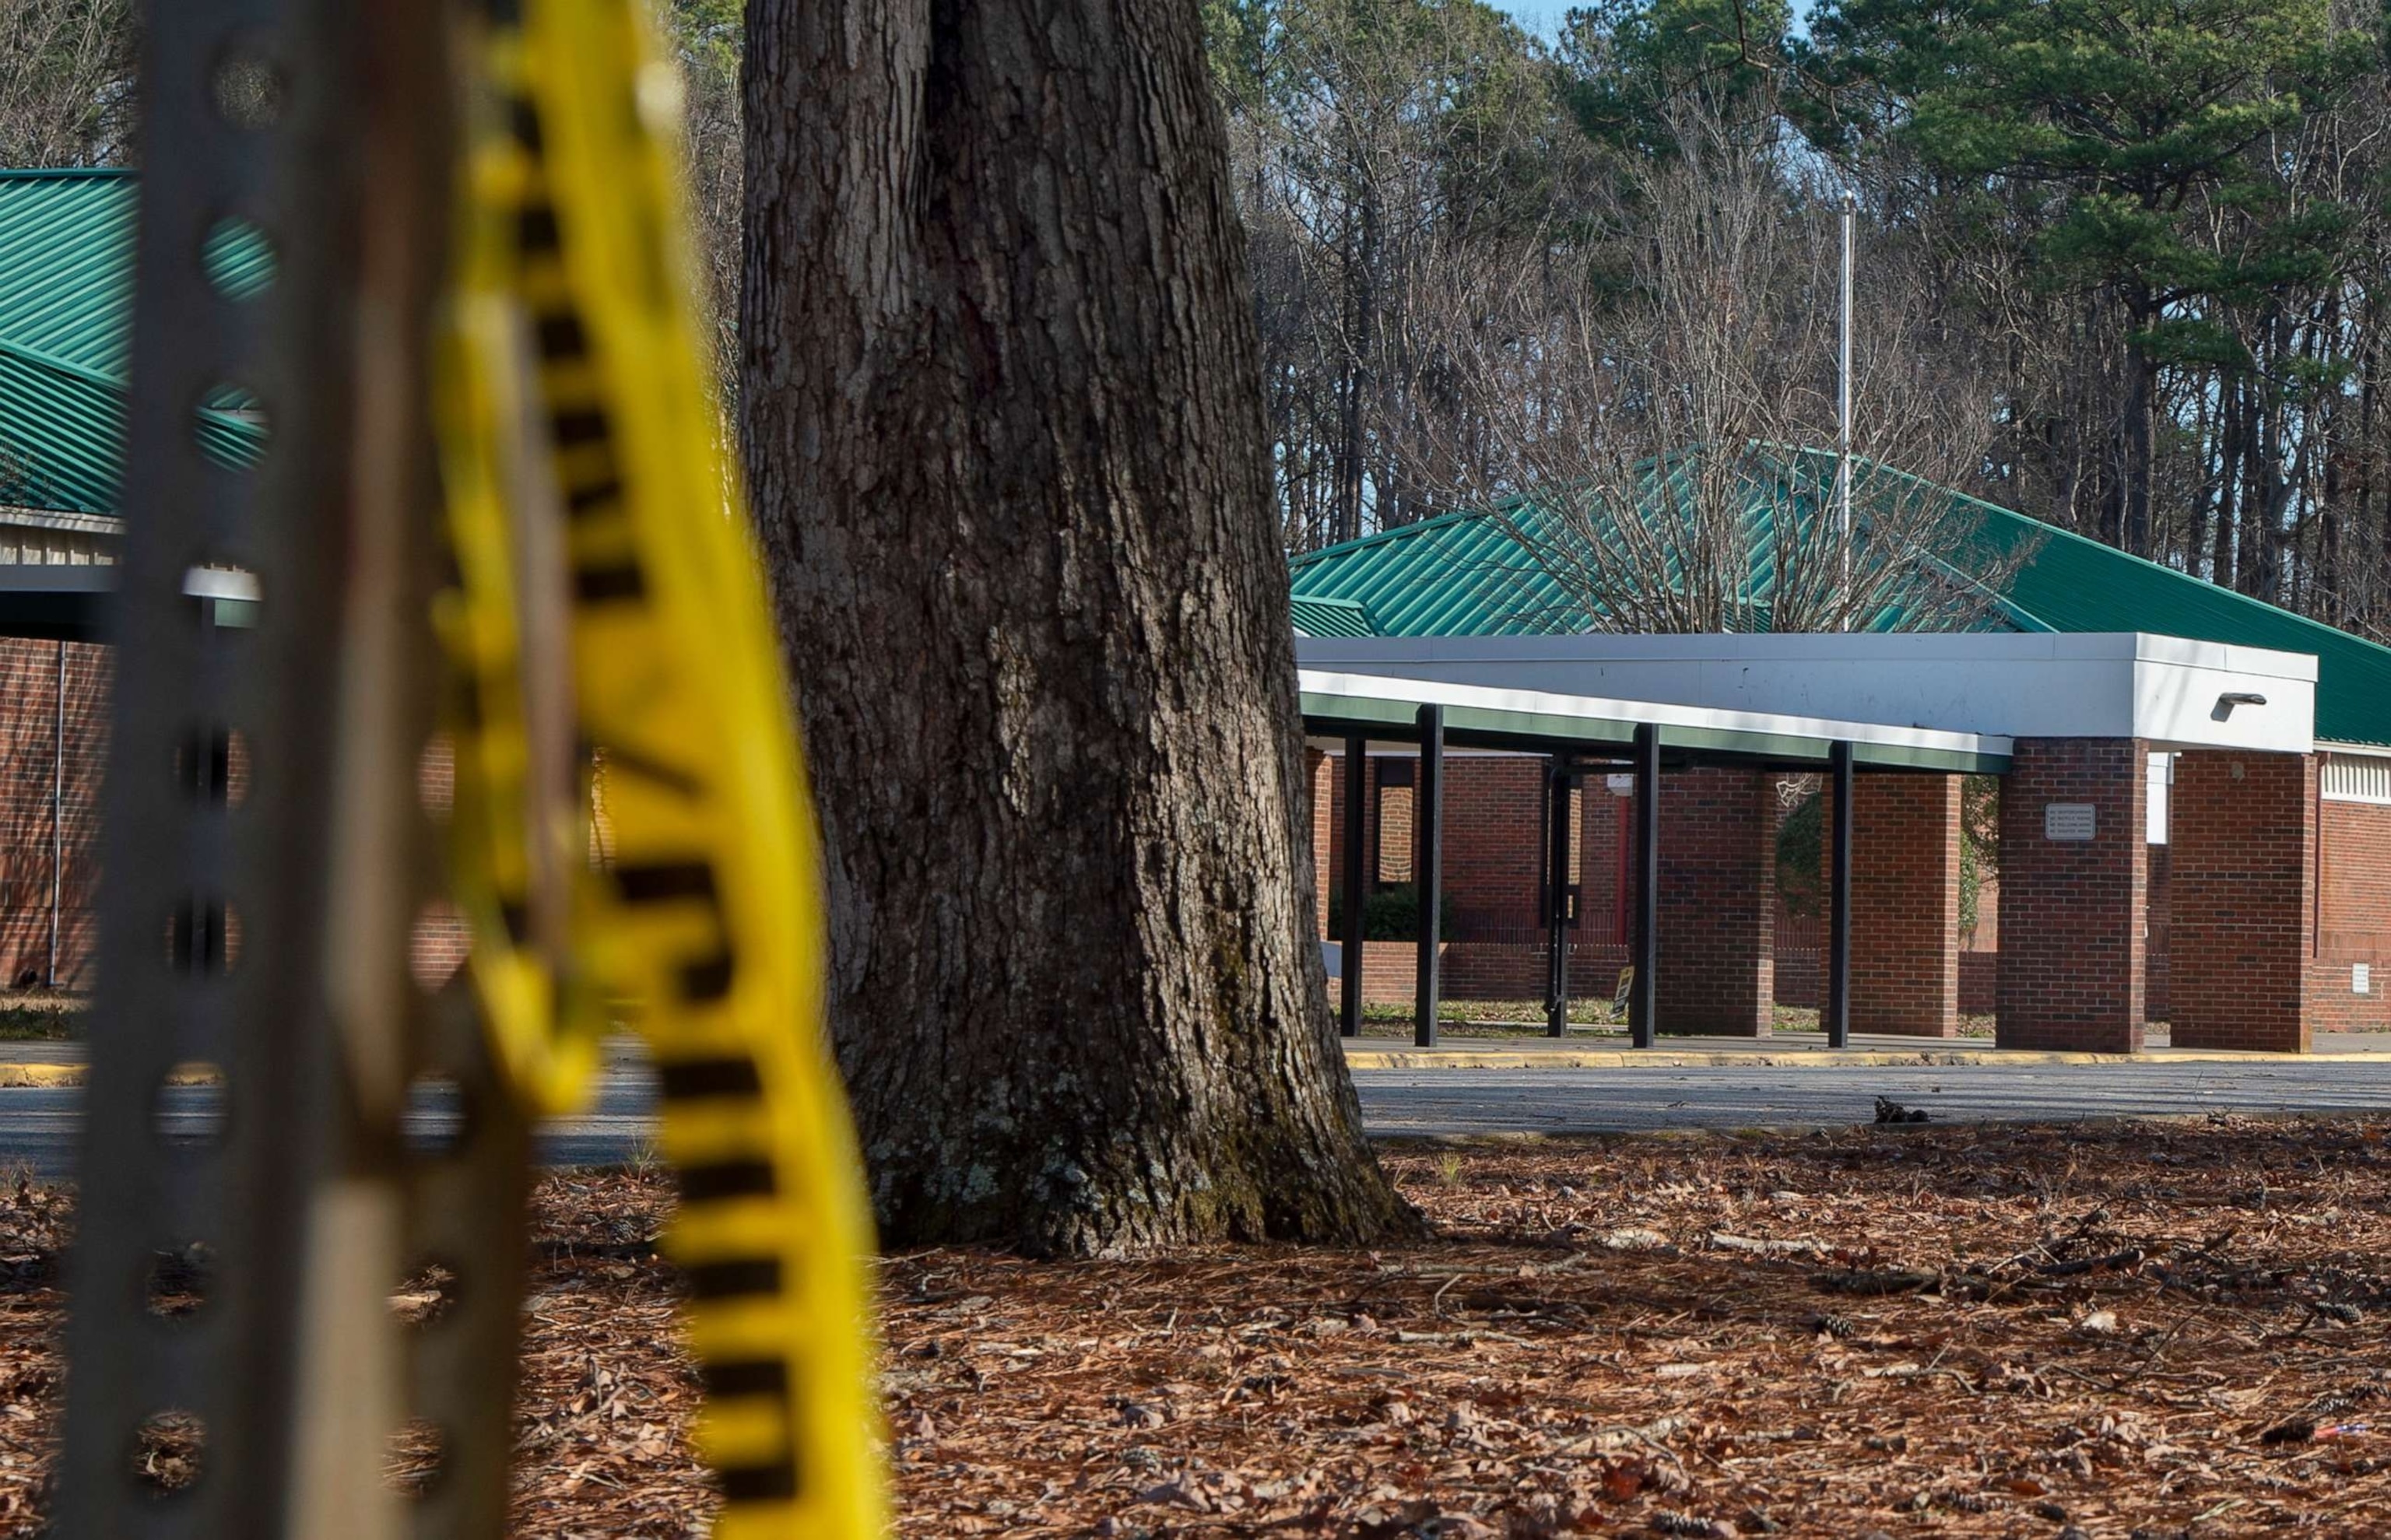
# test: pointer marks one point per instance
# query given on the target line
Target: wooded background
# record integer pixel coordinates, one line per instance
(2123, 261)
(2134, 249)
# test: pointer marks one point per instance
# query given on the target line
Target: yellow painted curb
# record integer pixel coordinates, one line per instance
(47, 1075)
(1665, 1058)
(20, 1076)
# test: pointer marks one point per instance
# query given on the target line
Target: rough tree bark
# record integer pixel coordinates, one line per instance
(1004, 428)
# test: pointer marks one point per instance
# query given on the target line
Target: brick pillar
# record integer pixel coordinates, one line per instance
(2072, 910)
(29, 748)
(2353, 919)
(1718, 902)
(2242, 836)
(1906, 905)
(1320, 775)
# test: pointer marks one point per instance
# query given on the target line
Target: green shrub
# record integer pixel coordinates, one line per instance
(1800, 867)
(1390, 915)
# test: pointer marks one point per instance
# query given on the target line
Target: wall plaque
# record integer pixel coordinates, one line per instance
(2069, 821)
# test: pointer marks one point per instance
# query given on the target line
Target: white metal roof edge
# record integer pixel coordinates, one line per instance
(1820, 647)
(45, 518)
(1594, 709)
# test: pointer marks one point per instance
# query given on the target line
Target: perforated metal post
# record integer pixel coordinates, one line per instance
(264, 849)
(230, 91)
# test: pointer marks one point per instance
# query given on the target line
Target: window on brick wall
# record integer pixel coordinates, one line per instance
(2160, 783)
(1394, 819)
(2350, 778)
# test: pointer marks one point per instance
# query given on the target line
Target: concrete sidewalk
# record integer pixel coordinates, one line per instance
(52, 1062)
(48, 1063)
(1802, 1050)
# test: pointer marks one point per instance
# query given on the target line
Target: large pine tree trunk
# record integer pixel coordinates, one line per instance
(1004, 430)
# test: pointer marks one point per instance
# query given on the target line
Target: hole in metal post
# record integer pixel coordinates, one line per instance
(202, 937)
(437, 947)
(237, 257)
(167, 1450)
(411, 1465)
(179, 1280)
(436, 778)
(212, 764)
(230, 595)
(232, 428)
(426, 1296)
(439, 1114)
(192, 1106)
(247, 90)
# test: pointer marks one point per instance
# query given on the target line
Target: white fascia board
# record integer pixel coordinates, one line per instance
(44, 518)
(2015, 685)
(1428, 691)
(2264, 710)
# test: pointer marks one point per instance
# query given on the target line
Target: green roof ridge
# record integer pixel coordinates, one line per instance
(41, 360)
(62, 173)
(1399, 533)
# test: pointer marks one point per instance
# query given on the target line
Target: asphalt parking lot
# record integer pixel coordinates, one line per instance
(38, 1126)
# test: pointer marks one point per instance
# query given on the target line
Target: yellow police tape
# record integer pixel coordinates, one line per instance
(599, 535)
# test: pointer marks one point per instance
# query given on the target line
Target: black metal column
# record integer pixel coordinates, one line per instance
(1357, 788)
(1643, 992)
(1556, 898)
(1429, 810)
(1836, 1016)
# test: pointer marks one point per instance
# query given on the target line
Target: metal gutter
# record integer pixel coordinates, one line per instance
(1339, 705)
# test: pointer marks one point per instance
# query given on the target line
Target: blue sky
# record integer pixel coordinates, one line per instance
(1541, 16)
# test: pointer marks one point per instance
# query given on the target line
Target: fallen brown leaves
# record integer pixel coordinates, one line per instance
(2130, 1330)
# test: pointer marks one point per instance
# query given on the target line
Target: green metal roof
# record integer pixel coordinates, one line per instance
(1478, 574)
(1331, 618)
(66, 293)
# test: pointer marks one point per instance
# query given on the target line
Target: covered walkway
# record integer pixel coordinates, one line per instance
(1693, 732)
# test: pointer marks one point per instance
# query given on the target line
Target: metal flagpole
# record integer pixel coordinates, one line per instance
(1844, 418)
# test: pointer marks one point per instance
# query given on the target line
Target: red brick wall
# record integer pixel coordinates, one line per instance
(1980, 948)
(1980, 983)
(1906, 904)
(1986, 936)
(2158, 953)
(1320, 789)
(1482, 970)
(2353, 918)
(2072, 914)
(1904, 916)
(1717, 902)
(1390, 974)
(1606, 838)
(1798, 941)
(1493, 845)
(2242, 836)
(28, 743)
(1798, 976)
(1492, 866)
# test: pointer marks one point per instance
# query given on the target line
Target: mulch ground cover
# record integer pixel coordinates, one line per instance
(2125, 1330)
